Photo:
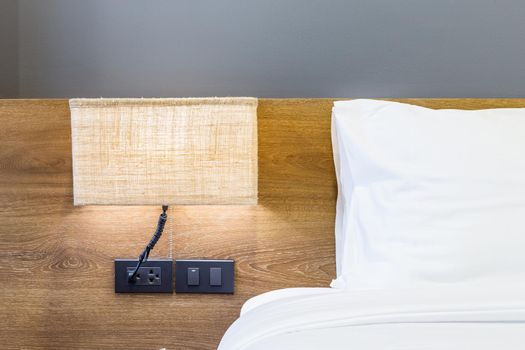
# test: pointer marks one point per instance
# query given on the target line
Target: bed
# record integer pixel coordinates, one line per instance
(429, 238)
(376, 320)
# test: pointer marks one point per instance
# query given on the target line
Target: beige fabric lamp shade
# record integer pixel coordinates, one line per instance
(164, 151)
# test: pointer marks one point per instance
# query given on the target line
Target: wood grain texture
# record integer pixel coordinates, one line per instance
(56, 260)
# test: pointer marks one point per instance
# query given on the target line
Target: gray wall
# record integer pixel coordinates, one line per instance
(8, 49)
(268, 48)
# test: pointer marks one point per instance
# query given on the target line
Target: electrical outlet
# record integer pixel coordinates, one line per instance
(154, 276)
(147, 276)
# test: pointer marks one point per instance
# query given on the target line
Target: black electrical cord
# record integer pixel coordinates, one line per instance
(145, 254)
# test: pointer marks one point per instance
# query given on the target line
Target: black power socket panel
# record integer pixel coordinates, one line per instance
(147, 276)
(154, 276)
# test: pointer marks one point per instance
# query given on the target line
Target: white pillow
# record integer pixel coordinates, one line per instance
(428, 196)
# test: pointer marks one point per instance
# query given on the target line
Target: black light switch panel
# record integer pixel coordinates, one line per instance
(154, 276)
(204, 276)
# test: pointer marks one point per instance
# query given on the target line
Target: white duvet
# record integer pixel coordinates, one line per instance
(424, 319)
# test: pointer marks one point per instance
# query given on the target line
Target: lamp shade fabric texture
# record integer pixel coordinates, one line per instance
(178, 151)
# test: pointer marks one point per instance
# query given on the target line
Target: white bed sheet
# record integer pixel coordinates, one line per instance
(281, 295)
(425, 319)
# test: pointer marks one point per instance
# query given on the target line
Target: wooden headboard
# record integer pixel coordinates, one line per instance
(56, 260)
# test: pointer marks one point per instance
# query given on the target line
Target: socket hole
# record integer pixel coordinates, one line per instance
(151, 280)
(157, 276)
(150, 271)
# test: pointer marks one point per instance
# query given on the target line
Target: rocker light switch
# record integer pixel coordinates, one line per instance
(215, 276)
(204, 276)
(193, 276)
